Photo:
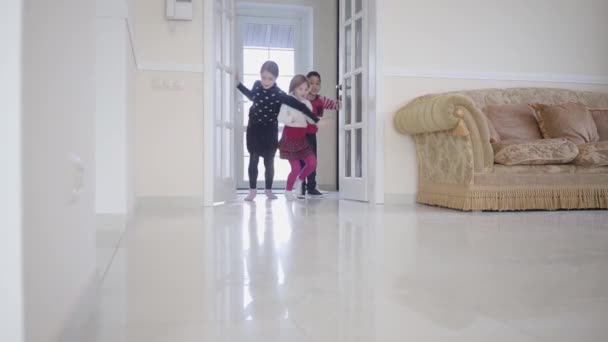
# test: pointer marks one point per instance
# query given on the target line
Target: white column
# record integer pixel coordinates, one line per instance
(114, 116)
(11, 256)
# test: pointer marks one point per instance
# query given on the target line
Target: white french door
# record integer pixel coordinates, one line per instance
(219, 93)
(354, 79)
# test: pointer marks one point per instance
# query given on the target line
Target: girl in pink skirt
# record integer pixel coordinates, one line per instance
(293, 145)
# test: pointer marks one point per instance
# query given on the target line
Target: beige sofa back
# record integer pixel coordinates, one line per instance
(483, 97)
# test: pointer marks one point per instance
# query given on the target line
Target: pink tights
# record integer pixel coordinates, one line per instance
(297, 171)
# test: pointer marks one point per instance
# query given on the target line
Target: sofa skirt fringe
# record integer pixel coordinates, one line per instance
(475, 198)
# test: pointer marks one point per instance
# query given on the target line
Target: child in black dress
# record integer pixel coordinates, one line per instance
(263, 127)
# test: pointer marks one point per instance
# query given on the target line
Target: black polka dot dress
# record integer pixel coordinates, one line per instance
(263, 127)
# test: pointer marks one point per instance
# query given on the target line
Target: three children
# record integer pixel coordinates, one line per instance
(262, 127)
(299, 111)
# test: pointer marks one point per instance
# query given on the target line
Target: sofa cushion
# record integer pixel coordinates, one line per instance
(592, 154)
(534, 152)
(514, 121)
(567, 120)
(600, 116)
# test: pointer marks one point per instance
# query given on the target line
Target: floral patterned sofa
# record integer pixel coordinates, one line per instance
(456, 159)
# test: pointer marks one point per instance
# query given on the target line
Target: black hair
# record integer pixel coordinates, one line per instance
(314, 74)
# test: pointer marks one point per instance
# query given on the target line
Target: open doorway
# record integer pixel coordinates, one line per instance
(281, 33)
(309, 30)
(342, 46)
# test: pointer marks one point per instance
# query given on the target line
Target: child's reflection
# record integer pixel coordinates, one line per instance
(264, 269)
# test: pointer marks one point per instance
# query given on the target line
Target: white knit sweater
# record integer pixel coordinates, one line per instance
(294, 118)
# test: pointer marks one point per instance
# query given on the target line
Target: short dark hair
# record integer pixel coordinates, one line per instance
(271, 67)
(315, 74)
(297, 81)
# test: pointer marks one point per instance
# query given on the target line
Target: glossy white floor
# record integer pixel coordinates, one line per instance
(330, 271)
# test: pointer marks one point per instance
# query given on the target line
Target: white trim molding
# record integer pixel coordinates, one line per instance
(400, 199)
(208, 103)
(392, 71)
(377, 121)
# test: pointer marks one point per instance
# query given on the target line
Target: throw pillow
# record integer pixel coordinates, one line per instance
(514, 121)
(534, 152)
(567, 120)
(593, 154)
(600, 116)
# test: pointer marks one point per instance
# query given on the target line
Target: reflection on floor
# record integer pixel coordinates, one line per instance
(332, 271)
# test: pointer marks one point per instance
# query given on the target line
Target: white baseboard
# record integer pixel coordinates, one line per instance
(153, 202)
(402, 199)
(327, 187)
(80, 324)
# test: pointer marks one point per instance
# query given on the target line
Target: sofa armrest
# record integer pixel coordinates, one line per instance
(453, 114)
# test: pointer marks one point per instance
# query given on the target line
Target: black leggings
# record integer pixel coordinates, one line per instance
(253, 170)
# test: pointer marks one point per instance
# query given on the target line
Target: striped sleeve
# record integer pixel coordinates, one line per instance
(329, 103)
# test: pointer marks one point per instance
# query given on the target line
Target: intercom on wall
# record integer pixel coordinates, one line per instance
(179, 9)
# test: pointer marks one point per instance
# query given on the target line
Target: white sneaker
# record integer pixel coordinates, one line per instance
(289, 196)
(297, 186)
(251, 196)
(271, 195)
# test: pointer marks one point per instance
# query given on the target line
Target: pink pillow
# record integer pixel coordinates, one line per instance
(600, 116)
(567, 120)
(514, 121)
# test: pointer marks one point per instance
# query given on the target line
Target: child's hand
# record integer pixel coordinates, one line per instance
(323, 122)
(237, 76)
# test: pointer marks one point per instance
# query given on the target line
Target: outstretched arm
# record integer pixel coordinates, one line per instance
(330, 104)
(248, 93)
(295, 104)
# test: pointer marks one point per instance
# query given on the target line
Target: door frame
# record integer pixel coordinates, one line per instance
(376, 114)
(11, 149)
(210, 91)
(299, 16)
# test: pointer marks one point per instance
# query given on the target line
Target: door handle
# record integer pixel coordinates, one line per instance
(339, 87)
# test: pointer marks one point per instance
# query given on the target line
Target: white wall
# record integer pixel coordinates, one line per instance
(11, 292)
(424, 46)
(168, 123)
(58, 122)
(114, 131)
(169, 153)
